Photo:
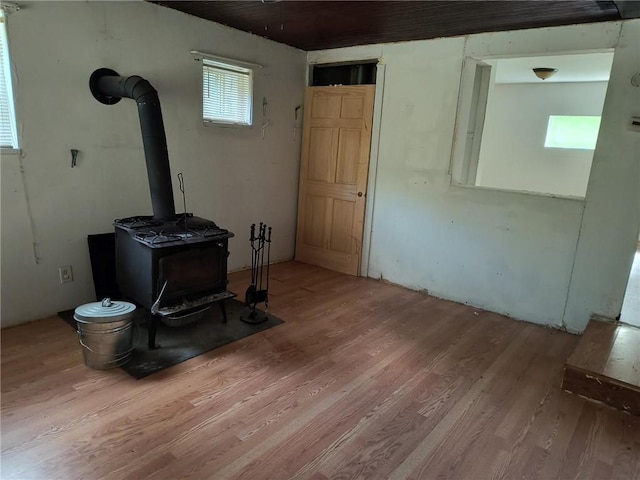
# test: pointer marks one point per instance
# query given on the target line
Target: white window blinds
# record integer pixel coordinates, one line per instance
(226, 93)
(8, 132)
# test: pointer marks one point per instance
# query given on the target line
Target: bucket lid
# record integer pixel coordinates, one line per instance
(105, 311)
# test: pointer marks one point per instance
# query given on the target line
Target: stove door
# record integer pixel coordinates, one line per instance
(192, 273)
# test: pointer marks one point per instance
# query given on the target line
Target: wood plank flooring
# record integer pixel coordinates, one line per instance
(605, 365)
(364, 380)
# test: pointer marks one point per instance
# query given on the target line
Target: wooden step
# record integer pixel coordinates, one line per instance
(605, 366)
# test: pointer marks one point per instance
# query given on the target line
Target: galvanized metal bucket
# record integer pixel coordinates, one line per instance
(105, 331)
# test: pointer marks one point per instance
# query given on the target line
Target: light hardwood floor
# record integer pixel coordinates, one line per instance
(364, 380)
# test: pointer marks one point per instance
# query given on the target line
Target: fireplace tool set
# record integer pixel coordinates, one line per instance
(258, 291)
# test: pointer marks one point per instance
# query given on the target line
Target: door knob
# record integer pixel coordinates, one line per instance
(359, 194)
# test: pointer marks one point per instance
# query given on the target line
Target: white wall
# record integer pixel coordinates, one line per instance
(512, 153)
(508, 252)
(232, 176)
(611, 221)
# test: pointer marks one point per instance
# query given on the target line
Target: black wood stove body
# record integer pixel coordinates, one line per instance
(175, 269)
(173, 265)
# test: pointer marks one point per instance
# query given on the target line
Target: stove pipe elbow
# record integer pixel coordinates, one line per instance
(108, 87)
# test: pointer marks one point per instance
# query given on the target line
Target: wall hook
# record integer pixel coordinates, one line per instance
(74, 157)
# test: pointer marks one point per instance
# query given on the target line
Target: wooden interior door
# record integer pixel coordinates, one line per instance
(336, 142)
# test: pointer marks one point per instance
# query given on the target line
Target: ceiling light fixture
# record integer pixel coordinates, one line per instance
(544, 73)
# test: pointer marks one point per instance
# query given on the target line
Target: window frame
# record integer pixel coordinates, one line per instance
(459, 167)
(226, 65)
(7, 74)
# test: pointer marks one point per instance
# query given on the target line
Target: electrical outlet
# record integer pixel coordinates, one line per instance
(66, 274)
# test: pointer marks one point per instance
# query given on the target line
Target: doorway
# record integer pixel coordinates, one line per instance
(630, 312)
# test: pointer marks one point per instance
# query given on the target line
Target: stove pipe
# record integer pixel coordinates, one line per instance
(108, 87)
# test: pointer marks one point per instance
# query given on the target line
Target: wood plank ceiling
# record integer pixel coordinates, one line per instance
(318, 25)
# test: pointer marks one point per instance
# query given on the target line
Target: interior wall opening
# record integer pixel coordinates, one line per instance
(530, 124)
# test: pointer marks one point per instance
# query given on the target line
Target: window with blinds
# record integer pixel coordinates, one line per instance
(8, 131)
(226, 93)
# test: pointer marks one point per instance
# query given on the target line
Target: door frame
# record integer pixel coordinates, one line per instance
(374, 152)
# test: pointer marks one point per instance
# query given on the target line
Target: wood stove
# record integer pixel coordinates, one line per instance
(173, 268)
(173, 265)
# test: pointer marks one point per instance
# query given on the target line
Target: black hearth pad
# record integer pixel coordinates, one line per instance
(178, 344)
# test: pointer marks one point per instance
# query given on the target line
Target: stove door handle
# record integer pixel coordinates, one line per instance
(155, 308)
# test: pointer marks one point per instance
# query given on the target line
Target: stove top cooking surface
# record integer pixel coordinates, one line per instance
(161, 233)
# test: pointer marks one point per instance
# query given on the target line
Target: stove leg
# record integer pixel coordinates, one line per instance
(223, 309)
(153, 328)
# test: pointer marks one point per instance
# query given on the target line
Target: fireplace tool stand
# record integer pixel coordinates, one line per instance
(256, 293)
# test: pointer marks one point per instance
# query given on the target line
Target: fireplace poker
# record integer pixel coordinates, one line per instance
(266, 301)
(261, 250)
(253, 254)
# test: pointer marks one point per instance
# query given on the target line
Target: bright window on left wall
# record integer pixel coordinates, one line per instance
(8, 130)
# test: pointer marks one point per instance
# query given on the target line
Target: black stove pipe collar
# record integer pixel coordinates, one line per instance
(109, 88)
